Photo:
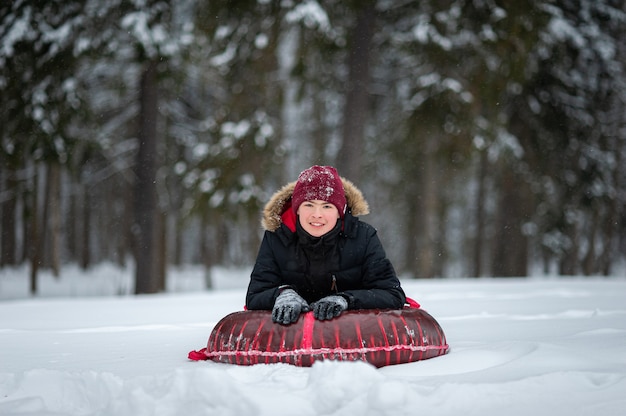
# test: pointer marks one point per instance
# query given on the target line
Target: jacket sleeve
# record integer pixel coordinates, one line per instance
(381, 286)
(265, 279)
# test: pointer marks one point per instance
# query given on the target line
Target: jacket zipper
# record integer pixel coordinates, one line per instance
(333, 285)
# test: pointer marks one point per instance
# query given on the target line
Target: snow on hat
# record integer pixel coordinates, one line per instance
(319, 183)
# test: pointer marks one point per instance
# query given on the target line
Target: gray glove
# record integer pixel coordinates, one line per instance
(288, 306)
(329, 307)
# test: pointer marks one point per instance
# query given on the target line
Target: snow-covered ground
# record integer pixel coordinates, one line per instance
(536, 347)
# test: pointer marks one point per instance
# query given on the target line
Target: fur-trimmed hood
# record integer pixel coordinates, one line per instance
(281, 201)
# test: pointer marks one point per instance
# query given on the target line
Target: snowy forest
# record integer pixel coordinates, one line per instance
(488, 136)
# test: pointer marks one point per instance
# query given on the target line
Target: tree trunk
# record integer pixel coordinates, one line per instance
(589, 262)
(54, 224)
(319, 134)
(34, 248)
(71, 219)
(480, 237)
(411, 262)
(349, 161)
(146, 277)
(25, 246)
(162, 250)
(206, 250)
(427, 212)
(85, 255)
(44, 219)
(569, 259)
(510, 251)
(9, 223)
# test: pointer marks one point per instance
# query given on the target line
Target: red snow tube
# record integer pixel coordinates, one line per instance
(379, 337)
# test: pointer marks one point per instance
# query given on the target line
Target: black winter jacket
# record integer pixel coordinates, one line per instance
(349, 261)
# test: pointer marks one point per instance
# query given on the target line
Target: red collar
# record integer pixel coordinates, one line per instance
(289, 218)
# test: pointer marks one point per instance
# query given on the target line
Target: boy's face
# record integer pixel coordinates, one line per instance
(317, 217)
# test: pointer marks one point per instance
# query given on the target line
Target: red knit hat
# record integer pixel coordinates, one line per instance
(319, 183)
